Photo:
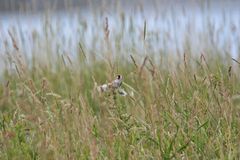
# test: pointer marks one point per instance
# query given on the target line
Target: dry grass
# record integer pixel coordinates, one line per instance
(184, 107)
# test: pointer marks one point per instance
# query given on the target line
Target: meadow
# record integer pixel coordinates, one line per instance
(182, 102)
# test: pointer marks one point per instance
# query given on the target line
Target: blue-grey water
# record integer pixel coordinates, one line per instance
(169, 28)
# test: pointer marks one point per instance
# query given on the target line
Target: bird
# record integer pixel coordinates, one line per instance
(112, 86)
(117, 82)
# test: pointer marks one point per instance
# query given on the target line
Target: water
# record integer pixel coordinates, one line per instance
(169, 28)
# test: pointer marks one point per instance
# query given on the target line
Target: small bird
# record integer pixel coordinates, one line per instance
(114, 85)
(117, 82)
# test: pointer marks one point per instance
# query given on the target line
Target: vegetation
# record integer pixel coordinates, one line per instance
(182, 107)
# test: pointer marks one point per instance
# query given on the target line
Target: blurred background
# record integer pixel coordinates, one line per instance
(154, 27)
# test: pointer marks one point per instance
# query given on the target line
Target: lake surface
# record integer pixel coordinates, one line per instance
(170, 28)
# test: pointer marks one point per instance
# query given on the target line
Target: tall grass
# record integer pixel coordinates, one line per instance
(179, 106)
